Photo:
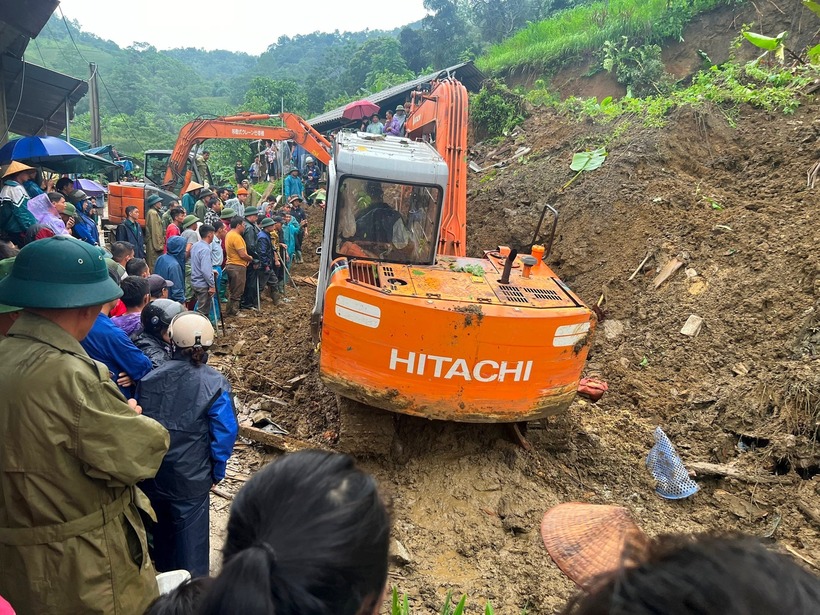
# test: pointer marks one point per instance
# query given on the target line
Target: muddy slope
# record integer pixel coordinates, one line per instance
(730, 202)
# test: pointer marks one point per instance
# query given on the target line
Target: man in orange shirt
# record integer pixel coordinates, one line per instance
(236, 263)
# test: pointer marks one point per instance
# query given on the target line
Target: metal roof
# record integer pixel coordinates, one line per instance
(36, 97)
(466, 72)
(20, 21)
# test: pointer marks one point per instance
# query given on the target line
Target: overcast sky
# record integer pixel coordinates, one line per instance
(236, 25)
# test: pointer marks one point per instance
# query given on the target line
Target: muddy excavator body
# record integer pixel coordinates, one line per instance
(409, 324)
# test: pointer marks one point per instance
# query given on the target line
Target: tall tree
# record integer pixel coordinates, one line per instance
(412, 49)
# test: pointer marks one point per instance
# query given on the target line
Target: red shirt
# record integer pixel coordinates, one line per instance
(118, 310)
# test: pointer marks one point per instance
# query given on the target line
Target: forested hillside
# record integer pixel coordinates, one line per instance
(147, 94)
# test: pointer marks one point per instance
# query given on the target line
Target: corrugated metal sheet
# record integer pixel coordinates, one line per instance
(466, 72)
(20, 21)
(41, 108)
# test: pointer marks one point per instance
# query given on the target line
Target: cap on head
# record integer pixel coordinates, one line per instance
(308, 160)
(251, 211)
(294, 198)
(156, 283)
(399, 107)
(227, 214)
(241, 191)
(189, 220)
(70, 210)
(153, 200)
(266, 223)
(278, 219)
(191, 330)
(58, 273)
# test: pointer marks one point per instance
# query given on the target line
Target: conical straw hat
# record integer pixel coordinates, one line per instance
(590, 540)
(15, 167)
(193, 186)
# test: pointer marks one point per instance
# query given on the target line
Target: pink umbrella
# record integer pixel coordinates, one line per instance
(360, 109)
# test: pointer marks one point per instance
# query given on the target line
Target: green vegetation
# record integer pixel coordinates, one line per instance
(583, 29)
(400, 605)
(724, 87)
(495, 110)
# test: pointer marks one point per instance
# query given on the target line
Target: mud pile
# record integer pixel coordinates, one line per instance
(733, 206)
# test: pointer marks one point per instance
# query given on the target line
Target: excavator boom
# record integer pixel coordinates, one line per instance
(235, 127)
(441, 118)
(176, 176)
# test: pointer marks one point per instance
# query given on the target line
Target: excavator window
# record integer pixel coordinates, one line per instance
(387, 221)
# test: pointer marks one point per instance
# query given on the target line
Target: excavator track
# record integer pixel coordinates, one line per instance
(365, 431)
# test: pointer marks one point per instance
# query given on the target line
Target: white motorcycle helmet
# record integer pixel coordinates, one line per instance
(191, 330)
(308, 160)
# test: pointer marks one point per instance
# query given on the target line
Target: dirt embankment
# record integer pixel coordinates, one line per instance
(732, 203)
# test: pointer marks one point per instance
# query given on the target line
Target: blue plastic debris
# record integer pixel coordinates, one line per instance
(668, 469)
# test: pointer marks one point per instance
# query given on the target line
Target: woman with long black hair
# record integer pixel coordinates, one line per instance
(307, 535)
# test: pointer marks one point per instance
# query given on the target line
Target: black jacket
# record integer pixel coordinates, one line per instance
(157, 351)
(125, 232)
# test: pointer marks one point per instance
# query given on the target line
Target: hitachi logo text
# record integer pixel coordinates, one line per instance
(422, 364)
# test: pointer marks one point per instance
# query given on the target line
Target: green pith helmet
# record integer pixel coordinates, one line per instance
(58, 273)
(5, 269)
(266, 223)
(189, 220)
(251, 211)
(152, 200)
(227, 214)
(70, 210)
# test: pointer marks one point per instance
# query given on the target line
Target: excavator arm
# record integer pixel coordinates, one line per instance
(440, 117)
(235, 127)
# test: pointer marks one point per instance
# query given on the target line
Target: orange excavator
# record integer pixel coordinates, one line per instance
(168, 173)
(407, 323)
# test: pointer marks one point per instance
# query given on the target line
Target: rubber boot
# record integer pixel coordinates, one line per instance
(298, 259)
(274, 294)
(232, 308)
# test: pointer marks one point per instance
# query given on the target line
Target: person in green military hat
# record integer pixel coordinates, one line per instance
(8, 313)
(154, 230)
(72, 539)
(227, 214)
(69, 217)
(250, 298)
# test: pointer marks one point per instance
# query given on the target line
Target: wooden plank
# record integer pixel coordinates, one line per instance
(288, 444)
(670, 268)
(723, 471)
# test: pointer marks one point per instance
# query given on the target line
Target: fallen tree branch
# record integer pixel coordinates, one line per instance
(723, 471)
(637, 271)
(221, 493)
(803, 558)
(288, 444)
(810, 512)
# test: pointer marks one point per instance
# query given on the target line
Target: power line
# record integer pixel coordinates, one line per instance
(39, 51)
(124, 117)
(97, 74)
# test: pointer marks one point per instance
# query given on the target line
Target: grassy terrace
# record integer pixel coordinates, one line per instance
(547, 44)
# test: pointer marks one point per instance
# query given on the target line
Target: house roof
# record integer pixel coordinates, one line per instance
(466, 72)
(36, 97)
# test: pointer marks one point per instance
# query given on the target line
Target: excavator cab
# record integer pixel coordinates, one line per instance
(386, 221)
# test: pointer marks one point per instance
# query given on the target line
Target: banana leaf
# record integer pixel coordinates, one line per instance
(765, 42)
(814, 54)
(814, 7)
(588, 161)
